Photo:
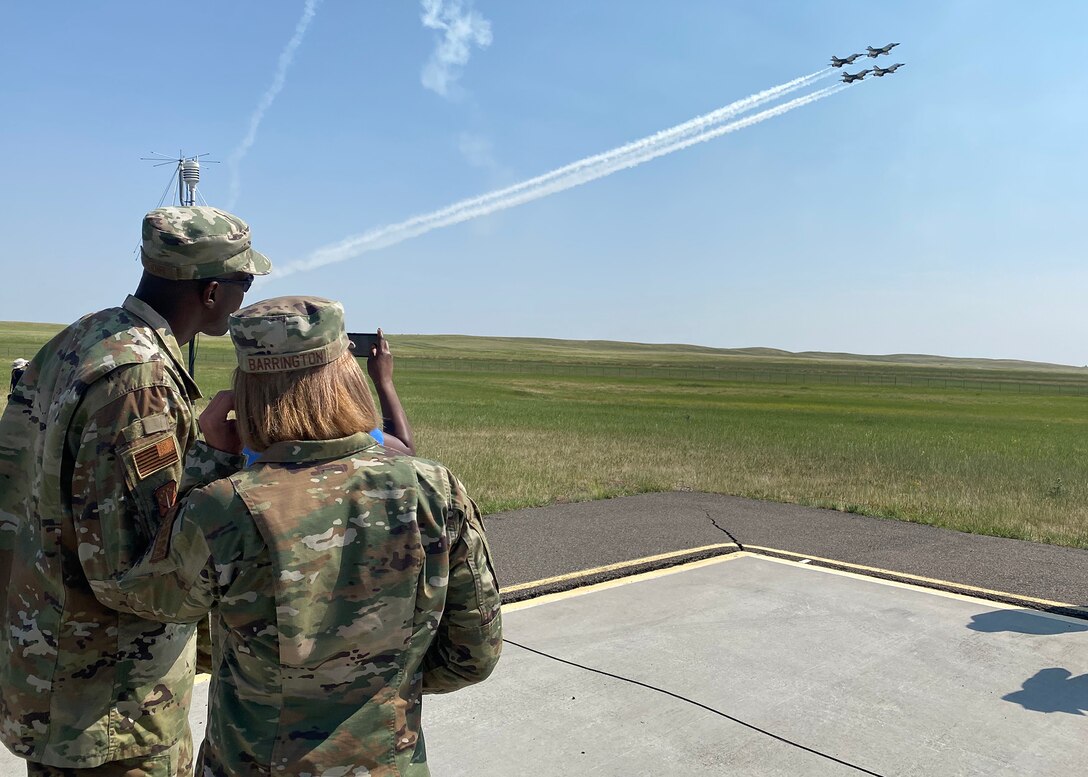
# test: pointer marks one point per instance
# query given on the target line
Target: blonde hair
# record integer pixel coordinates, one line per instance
(317, 403)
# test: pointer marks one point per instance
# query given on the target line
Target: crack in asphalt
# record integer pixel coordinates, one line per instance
(723, 529)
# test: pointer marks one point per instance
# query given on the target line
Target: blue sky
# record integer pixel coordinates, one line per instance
(940, 210)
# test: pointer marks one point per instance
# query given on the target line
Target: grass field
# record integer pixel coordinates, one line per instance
(991, 461)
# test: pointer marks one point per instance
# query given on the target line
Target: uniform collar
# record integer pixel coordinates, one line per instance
(297, 451)
(153, 319)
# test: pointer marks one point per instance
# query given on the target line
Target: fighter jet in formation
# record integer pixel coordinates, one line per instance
(849, 78)
(836, 62)
(879, 72)
(882, 50)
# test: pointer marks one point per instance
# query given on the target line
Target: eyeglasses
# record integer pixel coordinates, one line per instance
(245, 283)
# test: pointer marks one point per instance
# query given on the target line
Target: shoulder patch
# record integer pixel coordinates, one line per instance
(156, 456)
(165, 496)
(160, 548)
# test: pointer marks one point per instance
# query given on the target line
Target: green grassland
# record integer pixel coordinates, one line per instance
(989, 447)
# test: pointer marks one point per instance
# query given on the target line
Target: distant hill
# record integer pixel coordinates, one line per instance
(21, 339)
(466, 346)
(918, 359)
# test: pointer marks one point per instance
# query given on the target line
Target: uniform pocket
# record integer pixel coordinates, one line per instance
(484, 577)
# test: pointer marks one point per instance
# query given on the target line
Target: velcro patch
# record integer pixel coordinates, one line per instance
(159, 422)
(155, 457)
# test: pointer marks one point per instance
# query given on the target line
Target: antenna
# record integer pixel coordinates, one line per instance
(187, 174)
(190, 176)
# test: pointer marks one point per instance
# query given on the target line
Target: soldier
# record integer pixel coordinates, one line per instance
(18, 367)
(97, 443)
(347, 580)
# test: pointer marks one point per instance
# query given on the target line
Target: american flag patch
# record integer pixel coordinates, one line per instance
(152, 458)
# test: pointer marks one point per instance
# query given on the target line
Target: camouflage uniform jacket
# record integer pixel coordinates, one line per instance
(348, 581)
(91, 457)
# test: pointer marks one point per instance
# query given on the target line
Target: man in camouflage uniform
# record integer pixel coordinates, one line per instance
(97, 443)
(347, 581)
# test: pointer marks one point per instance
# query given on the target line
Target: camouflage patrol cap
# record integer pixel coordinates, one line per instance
(193, 242)
(288, 333)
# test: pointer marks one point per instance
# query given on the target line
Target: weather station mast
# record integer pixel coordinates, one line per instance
(187, 175)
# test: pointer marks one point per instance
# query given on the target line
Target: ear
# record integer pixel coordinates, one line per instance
(209, 294)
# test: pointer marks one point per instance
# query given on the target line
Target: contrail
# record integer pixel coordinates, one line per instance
(638, 146)
(691, 126)
(576, 174)
(460, 29)
(286, 57)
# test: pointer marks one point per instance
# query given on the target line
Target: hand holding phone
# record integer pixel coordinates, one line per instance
(363, 343)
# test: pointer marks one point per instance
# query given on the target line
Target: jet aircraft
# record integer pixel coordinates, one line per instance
(882, 50)
(849, 78)
(879, 71)
(836, 62)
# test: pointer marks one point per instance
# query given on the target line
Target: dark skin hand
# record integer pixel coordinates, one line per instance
(219, 431)
(379, 365)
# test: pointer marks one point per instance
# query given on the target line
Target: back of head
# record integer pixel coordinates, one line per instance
(197, 242)
(297, 378)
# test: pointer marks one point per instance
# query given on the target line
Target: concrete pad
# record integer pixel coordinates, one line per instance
(887, 678)
(890, 678)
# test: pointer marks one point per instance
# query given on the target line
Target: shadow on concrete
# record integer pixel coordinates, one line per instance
(1053, 690)
(1023, 622)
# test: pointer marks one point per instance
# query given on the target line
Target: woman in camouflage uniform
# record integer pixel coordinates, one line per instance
(348, 580)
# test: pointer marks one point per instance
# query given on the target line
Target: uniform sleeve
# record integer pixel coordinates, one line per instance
(130, 471)
(180, 576)
(204, 464)
(15, 432)
(469, 637)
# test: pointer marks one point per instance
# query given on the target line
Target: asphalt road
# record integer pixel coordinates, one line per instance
(539, 543)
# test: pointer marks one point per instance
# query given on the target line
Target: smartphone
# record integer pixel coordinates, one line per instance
(361, 343)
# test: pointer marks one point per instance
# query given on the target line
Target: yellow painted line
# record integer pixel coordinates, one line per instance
(582, 591)
(614, 567)
(920, 579)
(919, 588)
(203, 677)
(588, 589)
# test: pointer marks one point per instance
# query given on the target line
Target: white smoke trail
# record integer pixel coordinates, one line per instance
(691, 126)
(460, 29)
(287, 56)
(550, 183)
